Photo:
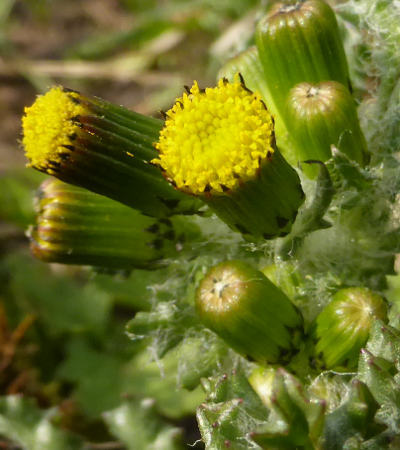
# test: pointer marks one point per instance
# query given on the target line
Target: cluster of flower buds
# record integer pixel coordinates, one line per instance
(216, 147)
(102, 147)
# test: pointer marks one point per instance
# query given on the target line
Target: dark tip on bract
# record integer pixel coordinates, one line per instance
(66, 89)
(282, 221)
(157, 244)
(170, 235)
(169, 203)
(69, 147)
(165, 221)
(241, 228)
(153, 228)
(244, 84)
(224, 188)
(74, 100)
(313, 161)
(64, 156)
(267, 236)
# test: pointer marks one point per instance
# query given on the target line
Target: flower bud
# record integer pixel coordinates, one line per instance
(76, 226)
(320, 116)
(343, 327)
(300, 41)
(218, 144)
(246, 310)
(103, 147)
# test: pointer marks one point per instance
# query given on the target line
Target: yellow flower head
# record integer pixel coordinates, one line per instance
(215, 139)
(48, 130)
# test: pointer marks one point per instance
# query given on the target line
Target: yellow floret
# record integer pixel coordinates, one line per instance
(48, 128)
(215, 139)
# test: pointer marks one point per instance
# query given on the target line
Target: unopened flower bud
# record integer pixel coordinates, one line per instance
(76, 226)
(102, 147)
(343, 327)
(300, 41)
(251, 314)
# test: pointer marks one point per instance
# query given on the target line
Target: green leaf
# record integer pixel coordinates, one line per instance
(138, 426)
(196, 357)
(347, 174)
(384, 341)
(375, 372)
(62, 304)
(231, 412)
(16, 196)
(354, 418)
(94, 371)
(98, 377)
(161, 380)
(132, 291)
(219, 425)
(234, 385)
(25, 424)
(165, 325)
(310, 217)
(296, 421)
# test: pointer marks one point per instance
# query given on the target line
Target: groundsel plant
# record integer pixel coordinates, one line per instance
(271, 202)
